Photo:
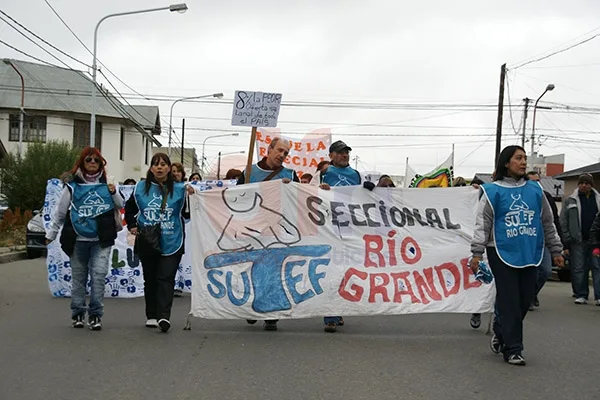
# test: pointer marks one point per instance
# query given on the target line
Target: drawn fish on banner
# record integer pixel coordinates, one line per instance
(258, 234)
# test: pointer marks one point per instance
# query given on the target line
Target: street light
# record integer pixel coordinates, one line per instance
(22, 112)
(215, 95)
(549, 88)
(204, 145)
(180, 8)
(226, 154)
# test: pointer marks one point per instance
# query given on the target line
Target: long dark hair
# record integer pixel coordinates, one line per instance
(504, 158)
(150, 176)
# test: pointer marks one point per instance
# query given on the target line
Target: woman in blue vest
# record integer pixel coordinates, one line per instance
(159, 200)
(86, 211)
(513, 224)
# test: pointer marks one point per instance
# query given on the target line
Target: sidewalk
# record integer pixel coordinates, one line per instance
(10, 254)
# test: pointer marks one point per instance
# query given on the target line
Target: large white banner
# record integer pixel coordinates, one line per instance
(125, 276)
(274, 250)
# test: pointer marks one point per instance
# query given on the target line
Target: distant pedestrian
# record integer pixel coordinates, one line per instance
(544, 271)
(576, 218)
(178, 172)
(195, 177)
(595, 239)
(306, 178)
(233, 174)
(385, 181)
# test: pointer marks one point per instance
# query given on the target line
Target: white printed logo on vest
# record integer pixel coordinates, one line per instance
(153, 213)
(519, 219)
(93, 205)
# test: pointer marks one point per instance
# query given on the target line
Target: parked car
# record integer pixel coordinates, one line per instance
(36, 236)
(3, 206)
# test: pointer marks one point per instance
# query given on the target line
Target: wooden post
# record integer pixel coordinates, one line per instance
(250, 156)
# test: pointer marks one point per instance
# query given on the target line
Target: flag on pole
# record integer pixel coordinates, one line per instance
(441, 176)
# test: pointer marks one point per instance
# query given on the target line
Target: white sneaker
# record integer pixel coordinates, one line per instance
(580, 300)
(164, 324)
(597, 302)
(151, 323)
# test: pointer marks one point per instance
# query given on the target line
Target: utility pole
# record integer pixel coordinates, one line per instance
(219, 167)
(500, 110)
(526, 100)
(182, 138)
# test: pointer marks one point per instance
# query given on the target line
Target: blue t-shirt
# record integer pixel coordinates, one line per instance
(336, 176)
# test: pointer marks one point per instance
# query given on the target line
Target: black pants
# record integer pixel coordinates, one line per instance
(515, 290)
(159, 284)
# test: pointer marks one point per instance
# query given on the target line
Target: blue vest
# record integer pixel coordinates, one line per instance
(88, 201)
(258, 174)
(171, 220)
(518, 229)
(335, 176)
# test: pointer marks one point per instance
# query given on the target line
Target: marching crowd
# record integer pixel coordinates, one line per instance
(518, 228)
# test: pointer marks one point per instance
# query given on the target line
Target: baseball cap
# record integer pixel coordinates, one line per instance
(339, 146)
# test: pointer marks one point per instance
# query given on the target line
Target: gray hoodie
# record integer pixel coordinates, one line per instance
(483, 236)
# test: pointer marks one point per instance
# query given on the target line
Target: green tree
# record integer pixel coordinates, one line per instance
(24, 178)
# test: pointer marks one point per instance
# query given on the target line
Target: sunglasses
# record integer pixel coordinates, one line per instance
(94, 159)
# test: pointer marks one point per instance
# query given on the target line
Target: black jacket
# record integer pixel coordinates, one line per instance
(595, 231)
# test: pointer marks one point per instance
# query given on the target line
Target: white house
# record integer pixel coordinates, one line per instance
(57, 103)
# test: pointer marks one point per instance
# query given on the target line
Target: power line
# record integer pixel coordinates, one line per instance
(39, 38)
(556, 52)
(28, 55)
(512, 122)
(33, 41)
(68, 27)
(91, 53)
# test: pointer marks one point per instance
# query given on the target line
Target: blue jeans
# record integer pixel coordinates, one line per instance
(88, 258)
(581, 263)
(544, 271)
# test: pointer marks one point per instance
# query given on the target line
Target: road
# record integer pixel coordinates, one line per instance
(415, 356)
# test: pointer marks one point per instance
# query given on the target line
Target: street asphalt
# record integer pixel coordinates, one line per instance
(426, 356)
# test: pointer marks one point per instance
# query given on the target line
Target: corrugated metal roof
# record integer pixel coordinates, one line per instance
(49, 88)
(588, 169)
(146, 116)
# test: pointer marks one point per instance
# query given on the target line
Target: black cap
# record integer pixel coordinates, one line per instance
(339, 146)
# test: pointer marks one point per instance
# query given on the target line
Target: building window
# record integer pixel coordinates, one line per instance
(81, 134)
(147, 150)
(122, 145)
(34, 128)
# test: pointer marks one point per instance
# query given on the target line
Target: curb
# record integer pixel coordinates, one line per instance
(13, 256)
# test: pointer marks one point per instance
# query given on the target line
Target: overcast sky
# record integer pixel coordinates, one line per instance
(381, 51)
